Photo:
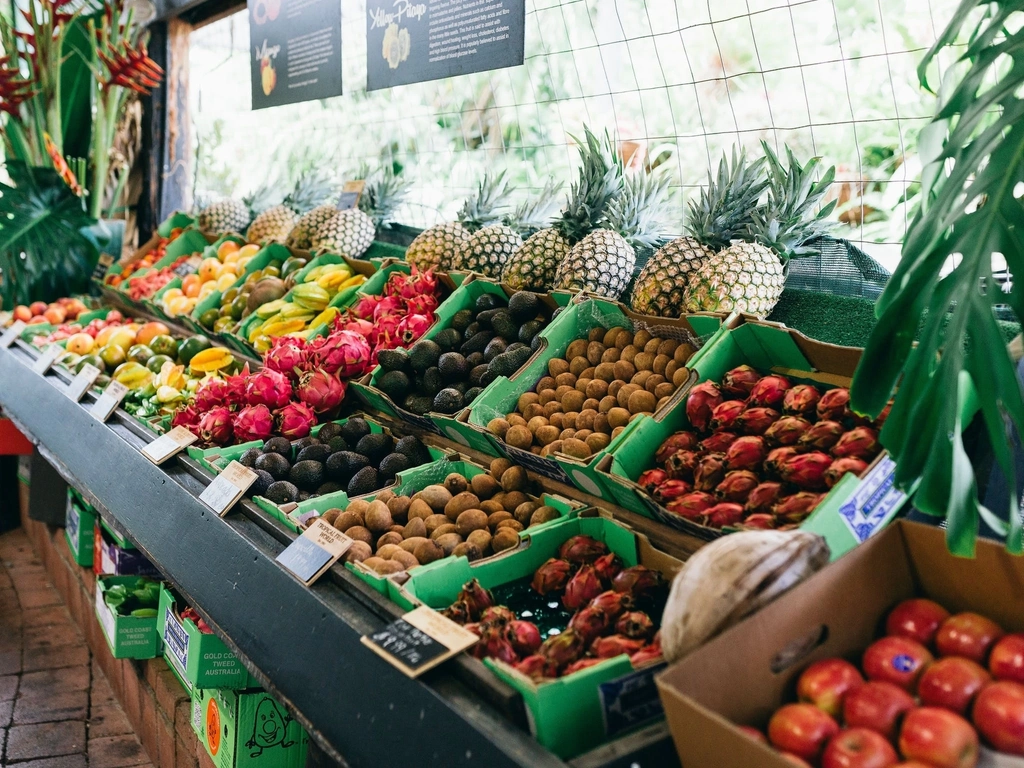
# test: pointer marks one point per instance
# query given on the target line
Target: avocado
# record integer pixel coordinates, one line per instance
(504, 325)
(537, 343)
(487, 317)
(304, 496)
(307, 474)
(418, 404)
(364, 481)
(353, 429)
(432, 381)
(328, 432)
(494, 348)
(476, 375)
(530, 329)
(282, 492)
(392, 464)
(514, 346)
(413, 447)
(424, 354)
(508, 363)
(448, 339)
(393, 359)
(263, 481)
(304, 442)
(338, 444)
(473, 329)
(475, 359)
(453, 366)
(459, 386)
(486, 301)
(476, 343)
(274, 463)
(394, 384)
(279, 445)
(341, 466)
(375, 446)
(524, 306)
(329, 487)
(317, 453)
(487, 378)
(471, 394)
(461, 320)
(248, 459)
(448, 401)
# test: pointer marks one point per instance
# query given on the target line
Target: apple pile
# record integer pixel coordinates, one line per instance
(761, 451)
(54, 313)
(934, 684)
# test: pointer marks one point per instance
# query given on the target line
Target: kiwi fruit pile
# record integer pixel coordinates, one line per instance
(589, 396)
(472, 518)
(342, 457)
(446, 373)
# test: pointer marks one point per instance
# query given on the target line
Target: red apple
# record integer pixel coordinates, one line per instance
(938, 738)
(802, 729)
(897, 660)
(969, 635)
(918, 619)
(999, 716)
(799, 762)
(878, 706)
(859, 748)
(753, 733)
(1006, 662)
(825, 683)
(952, 683)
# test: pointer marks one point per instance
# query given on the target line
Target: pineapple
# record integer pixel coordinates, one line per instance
(749, 276)
(300, 236)
(276, 223)
(533, 267)
(603, 261)
(722, 213)
(435, 248)
(234, 215)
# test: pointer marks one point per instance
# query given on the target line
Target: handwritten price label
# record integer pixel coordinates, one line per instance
(420, 640)
(165, 446)
(227, 488)
(107, 403)
(315, 551)
(47, 358)
(83, 382)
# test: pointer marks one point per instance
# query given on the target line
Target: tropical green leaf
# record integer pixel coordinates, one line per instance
(76, 87)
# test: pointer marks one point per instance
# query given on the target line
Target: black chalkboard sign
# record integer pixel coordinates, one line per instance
(408, 645)
(420, 640)
(102, 266)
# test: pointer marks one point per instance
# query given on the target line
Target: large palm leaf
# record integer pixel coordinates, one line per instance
(972, 209)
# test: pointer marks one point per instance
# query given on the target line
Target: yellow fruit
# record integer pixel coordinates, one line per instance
(262, 344)
(228, 246)
(172, 375)
(242, 263)
(123, 337)
(80, 343)
(209, 269)
(284, 327)
(172, 293)
(177, 306)
(165, 394)
(324, 318)
(248, 251)
(133, 375)
(205, 291)
(226, 280)
(212, 359)
(354, 280)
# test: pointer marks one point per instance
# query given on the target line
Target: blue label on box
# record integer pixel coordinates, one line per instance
(631, 701)
(304, 558)
(540, 465)
(176, 639)
(873, 502)
(72, 522)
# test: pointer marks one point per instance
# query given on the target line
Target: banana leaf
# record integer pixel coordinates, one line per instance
(972, 210)
(49, 245)
(76, 88)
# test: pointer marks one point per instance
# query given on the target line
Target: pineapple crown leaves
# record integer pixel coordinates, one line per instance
(488, 205)
(313, 187)
(384, 192)
(788, 220)
(725, 209)
(535, 213)
(636, 212)
(600, 181)
(260, 199)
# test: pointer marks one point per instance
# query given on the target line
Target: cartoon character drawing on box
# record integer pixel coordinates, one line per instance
(270, 728)
(397, 45)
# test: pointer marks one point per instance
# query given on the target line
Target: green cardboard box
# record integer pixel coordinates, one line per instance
(177, 220)
(79, 529)
(198, 659)
(247, 729)
(128, 637)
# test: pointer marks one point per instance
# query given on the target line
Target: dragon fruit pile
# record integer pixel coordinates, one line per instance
(399, 316)
(762, 452)
(608, 621)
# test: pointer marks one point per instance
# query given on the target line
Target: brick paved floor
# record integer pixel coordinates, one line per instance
(56, 708)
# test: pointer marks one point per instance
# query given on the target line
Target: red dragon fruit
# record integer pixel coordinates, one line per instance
(756, 421)
(552, 576)
(880, 421)
(796, 508)
(459, 613)
(840, 467)
(286, 355)
(636, 625)
(187, 417)
(680, 441)
(746, 452)
(525, 637)
(537, 667)
(718, 442)
(564, 648)
(608, 567)
(365, 307)
(582, 549)
(613, 603)
(763, 497)
(821, 436)
(615, 645)
(387, 306)
(646, 655)
(637, 581)
(724, 414)
(737, 485)
(495, 646)
(776, 457)
(354, 325)
(671, 490)
(834, 405)
(476, 597)
(769, 392)
(424, 304)
(496, 616)
(806, 470)
(473, 627)
(725, 514)
(761, 521)
(254, 422)
(579, 666)
(651, 479)
(343, 353)
(801, 400)
(269, 388)
(681, 465)
(236, 387)
(413, 327)
(739, 382)
(710, 472)
(212, 393)
(215, 426)
(787, 431)
(859, 443)
(589, 623)
(320, 390)
(295, 421)
(582, 588)
(692, 505)
(701, 401)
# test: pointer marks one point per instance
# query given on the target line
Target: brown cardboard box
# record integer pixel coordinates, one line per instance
(744, 675)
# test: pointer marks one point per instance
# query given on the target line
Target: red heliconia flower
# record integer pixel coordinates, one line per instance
(524, 636)
(615, 645)
(590, 623)
(320, 390)
(651, 479)
(737, 485)
(295, 421)
(834, 405)
(787, 431)
(776, 457)
(579, 666)
(269, 388)
(215, 426)
(763, 497)
(637, 581)
(821, 436)
(756, 421)
(769, 392)
(608, 567)
(761, 521)
(128, 65)
(636, 625)
(564, 648)
(287, 355)
(859, 443)
(582, 588)
(801, 400)
(613, 603)
(739, 382)
(746, 452)
(681, 465)
(552, 576)
(692, 505)
(840, 467)
(582, 549)
(796, 508)
(537, 667)
(671, 490)
(254, 422)
(646, 655)
(701, 401)
(719, 442)
(476, 597)
(806, 470)
(724, 414)
(680, 441)
(14, 89)
(725, 514)
(710, 471)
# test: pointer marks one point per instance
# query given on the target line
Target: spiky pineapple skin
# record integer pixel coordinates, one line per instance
(660, 288)
(348, 233)
(487, 251)
(435, 247)
(301, 234)
(534, 266)
(272, 226)
(745, 277)
(602, 262)
(225, 216)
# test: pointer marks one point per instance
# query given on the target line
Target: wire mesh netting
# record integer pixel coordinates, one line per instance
(679, 80)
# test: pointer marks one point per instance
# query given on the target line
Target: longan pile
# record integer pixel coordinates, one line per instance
(590, 395)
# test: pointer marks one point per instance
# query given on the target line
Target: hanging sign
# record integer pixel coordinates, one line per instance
(102, 267)
(295, 50)
(420, 640)
(350, 194)
(410, 42)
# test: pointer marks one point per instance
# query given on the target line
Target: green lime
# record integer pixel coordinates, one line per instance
(112, 356)
(156, 362)
(164, 345)
(90, 360)
(228, 296)
(224, 325)
(271, 271)
(191, 347)
(238, 307)
(208, 318)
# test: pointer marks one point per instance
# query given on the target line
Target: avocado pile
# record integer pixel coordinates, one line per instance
(446, 373)
(342, 457)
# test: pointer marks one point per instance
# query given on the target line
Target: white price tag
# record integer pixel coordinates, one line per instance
(12, 333)
(47, 358)
(107, 403)
(83, 382)
(165, 446)
(227, 488)
(317, 549)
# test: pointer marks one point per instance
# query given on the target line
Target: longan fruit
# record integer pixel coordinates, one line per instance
(683, 353)
(652, 345)
(565, 380)
(536, 423)
(555, 419)
(572, 401)
(547, 434)
(644, 361)
(590, 404)
(532, 411)
(516, 420)
(605, 372)
(601, 423)
(526, 399)
(610, 335)
(680, 377)
(629, 353)
(624, 370)
(640, 338)
(670, 369)
(661, 363)
(615, 386)
(546, 382)
(665, 389)
(623, 394)
(607, 403)
(569, 419)
(577, 348)
(596, 334)
(561, 391)
(552, 408)
(585, 420)
(576, 448)
(653, 381)
(598, 442)
(624, 339)
(668, 347)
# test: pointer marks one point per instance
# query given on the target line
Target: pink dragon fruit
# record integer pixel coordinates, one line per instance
(320, 390)
(294, 421)
(497, 616)
(495, 646)
(615, 645)
(636, 625)
(796, 508)
(286, 355)
(359, 327)
(524, 636)
(806, 470)
(681, 464)
(212, 393)
(739, 382)
(859, 443)
(582, 549)
(579, 666)
(746, 452)
(701, 402)
(724, 414)
(680, 441)
(763, 497)
(236, 387)
(718, 442)
(769, 392)
(413, 327)
(612, 603)
(637, 581)
(365, 307)
(756, 421)
(589, 623)
(726, 513)
(342, 353)
(389, 305)
(736, 486)
(608, 567)
(424, 304)
(215, 426)
(421, 283)
(801, 400)
(396, 284)
(478, 598)
(692, 505)
(821, 436)
(776, 457)
(269, 388)
(564, 648)
(761, 521)
(459, 613)
(472, 626)
(670, 490)
(187, 417)
(646, 655)
(834, 405)
(537, 667)
(787, 431)
(254, 422)
(582, 588)
(651, 479)
(552, 576)
(840, 467)
(710, 471)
